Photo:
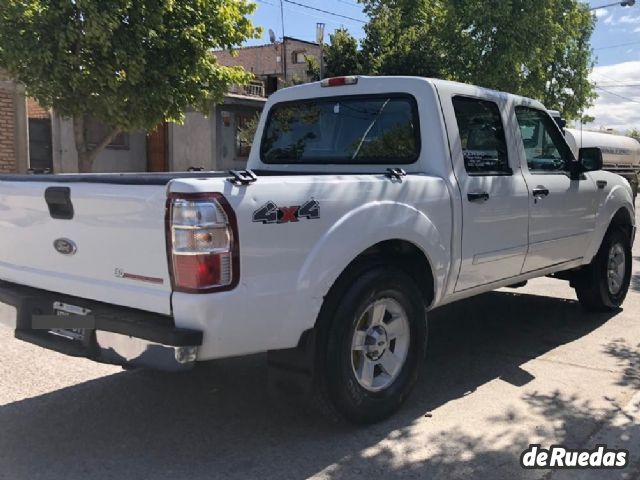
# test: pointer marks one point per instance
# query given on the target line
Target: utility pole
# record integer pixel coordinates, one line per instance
(320, 41)
(284, 43)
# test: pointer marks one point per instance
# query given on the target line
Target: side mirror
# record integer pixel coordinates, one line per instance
(590, 159)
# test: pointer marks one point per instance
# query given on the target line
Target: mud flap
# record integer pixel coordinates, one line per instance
(291, 370)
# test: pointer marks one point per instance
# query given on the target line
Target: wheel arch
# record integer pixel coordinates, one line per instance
(400, 253)
(622, 219)
(381, 229)
(292, 370)
(616, 210)
(378, 232)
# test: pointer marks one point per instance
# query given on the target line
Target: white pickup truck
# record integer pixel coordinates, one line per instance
(370, 201)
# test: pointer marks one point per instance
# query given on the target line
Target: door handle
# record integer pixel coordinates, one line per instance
(601, 184)
(478, 196)
(540, 192)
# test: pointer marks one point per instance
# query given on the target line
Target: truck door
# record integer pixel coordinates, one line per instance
(494, 194)
(562, 210)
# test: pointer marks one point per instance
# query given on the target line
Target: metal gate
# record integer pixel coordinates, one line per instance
(40, 151)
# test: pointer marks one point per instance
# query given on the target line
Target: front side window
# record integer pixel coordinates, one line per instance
(484, 148)
(359, 129)
(544, 146)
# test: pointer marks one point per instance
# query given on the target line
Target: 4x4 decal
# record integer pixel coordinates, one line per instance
(271, 213)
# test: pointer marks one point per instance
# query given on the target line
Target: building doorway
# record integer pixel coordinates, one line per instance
(271, 84)
(40, 150)
(157, 149)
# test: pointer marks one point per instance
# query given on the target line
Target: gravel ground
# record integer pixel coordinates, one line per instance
(504, 370)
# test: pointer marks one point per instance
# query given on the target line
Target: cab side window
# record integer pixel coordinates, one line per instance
(482, 135)
(546, 150)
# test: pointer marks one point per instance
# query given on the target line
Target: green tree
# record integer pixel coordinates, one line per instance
(313, 68)
(130, 64)
(404, 37)
(538, 49)
(634, 133)
(341, 56)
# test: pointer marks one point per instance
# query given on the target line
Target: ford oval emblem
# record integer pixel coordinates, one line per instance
(65, 246)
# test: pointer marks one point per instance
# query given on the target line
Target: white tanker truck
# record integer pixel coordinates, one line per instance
(620, 154)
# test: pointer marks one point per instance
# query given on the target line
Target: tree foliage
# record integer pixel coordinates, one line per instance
(128, 63)
(539, 48)
(634, 133)
(404, 37)
(341, 55)
(247, 131)
(313, 68)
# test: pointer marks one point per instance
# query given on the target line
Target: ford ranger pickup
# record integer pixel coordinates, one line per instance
(367, 202)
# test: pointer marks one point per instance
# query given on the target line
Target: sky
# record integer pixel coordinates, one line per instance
(615, 43)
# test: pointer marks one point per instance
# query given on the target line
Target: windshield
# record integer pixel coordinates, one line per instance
(343, 130)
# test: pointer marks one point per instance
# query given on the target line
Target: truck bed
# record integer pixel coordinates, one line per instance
(101, 237)
(160, 178)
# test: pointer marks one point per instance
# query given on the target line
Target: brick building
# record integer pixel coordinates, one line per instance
(275, 64)
(7, 130)
(13, 137)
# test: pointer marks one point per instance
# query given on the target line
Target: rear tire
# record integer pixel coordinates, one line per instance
(371, 345)
(604, 284)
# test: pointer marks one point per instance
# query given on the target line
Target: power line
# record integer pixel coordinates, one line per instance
(624, 3)
(606, 76)
(325, 11)
(338, 23)
(614, 46)
(613, 82)
(620, 85)
(290, 8)
(617, 95)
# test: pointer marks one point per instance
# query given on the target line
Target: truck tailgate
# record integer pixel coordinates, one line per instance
(112, 250)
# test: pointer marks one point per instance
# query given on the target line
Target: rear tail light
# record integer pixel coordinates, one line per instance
(339, 81)
(202, 241)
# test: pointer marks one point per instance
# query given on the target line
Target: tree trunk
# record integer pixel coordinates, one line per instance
(87, 155)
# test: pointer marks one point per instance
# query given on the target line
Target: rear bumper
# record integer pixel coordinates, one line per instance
(116, 335)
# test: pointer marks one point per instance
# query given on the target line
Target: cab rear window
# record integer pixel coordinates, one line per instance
(360, 129)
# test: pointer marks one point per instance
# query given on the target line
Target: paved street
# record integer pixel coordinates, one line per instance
(504, 370)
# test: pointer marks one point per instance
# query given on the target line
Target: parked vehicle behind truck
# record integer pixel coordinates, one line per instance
(620, 154)
(369, 201)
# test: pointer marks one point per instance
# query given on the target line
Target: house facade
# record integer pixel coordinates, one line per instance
(276, 64)
(213, 142)
(36, 139)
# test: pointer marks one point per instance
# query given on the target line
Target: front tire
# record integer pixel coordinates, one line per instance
(372, 343)
(604, 284)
